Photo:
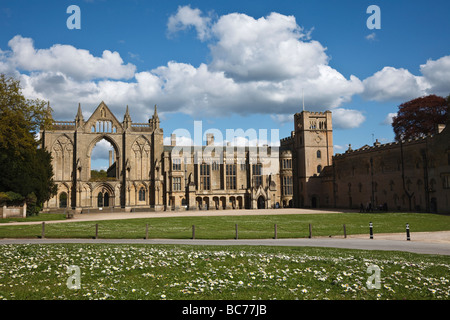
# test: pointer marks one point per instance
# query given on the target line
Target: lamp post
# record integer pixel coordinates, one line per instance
(373, 193)
(185, 184)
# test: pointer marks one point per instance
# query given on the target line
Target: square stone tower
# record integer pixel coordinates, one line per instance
(312, 152)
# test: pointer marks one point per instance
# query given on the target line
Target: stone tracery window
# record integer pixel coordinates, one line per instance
(142, 194)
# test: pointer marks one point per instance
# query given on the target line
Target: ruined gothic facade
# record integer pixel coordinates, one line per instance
(145, 174)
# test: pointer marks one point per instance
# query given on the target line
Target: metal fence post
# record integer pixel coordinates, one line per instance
(407, 232)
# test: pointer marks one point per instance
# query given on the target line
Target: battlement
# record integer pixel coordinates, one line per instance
(313, 113)
(379, 147)
(286, 140)
(63, 125)
(141, 127)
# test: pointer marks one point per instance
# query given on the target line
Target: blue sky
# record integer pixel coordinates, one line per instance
(231, 64)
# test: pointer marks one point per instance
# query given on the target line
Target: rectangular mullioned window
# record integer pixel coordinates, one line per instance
(205, 180)
(231, 176)
(176, 183)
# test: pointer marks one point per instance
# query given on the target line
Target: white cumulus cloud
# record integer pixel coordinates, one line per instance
(437, 75)
(187, 17)
(347, 118)
(393, 84)
(257, 65)
(399, 84)
(79, 64)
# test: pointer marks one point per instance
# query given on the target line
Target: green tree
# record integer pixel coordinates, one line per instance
(25, 168)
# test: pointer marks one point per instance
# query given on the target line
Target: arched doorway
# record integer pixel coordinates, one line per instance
(63, 200)
(199, 203)
(433, 205)
(314, 202)
(104, 194)
(206, 203)
(223, 201)
(232, 202)
(261, 202)
(239, 201)
(103, 199)
(216, 203)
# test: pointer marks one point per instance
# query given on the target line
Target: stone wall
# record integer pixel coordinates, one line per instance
(13, 212)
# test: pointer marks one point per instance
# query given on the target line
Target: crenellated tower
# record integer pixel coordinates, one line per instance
(312, 152)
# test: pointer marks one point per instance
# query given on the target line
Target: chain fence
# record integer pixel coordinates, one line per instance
(117, 230)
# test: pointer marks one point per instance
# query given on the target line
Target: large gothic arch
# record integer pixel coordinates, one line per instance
(111, 138)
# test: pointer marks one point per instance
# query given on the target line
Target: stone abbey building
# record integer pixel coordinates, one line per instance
(145, 174)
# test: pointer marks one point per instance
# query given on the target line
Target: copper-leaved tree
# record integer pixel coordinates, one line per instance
(420, 117)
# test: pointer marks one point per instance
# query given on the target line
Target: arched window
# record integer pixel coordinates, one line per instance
(142, 194)
(319, 154)
(100, 200)
(319, 168)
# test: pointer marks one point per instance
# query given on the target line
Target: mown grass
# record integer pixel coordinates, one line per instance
(249, 227)
(40, 217)
(131, 272)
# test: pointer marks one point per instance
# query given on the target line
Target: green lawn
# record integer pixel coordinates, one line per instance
(40, 217)
(249, 227)
(118, 272)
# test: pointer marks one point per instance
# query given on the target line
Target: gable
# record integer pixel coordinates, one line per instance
(103, 120)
